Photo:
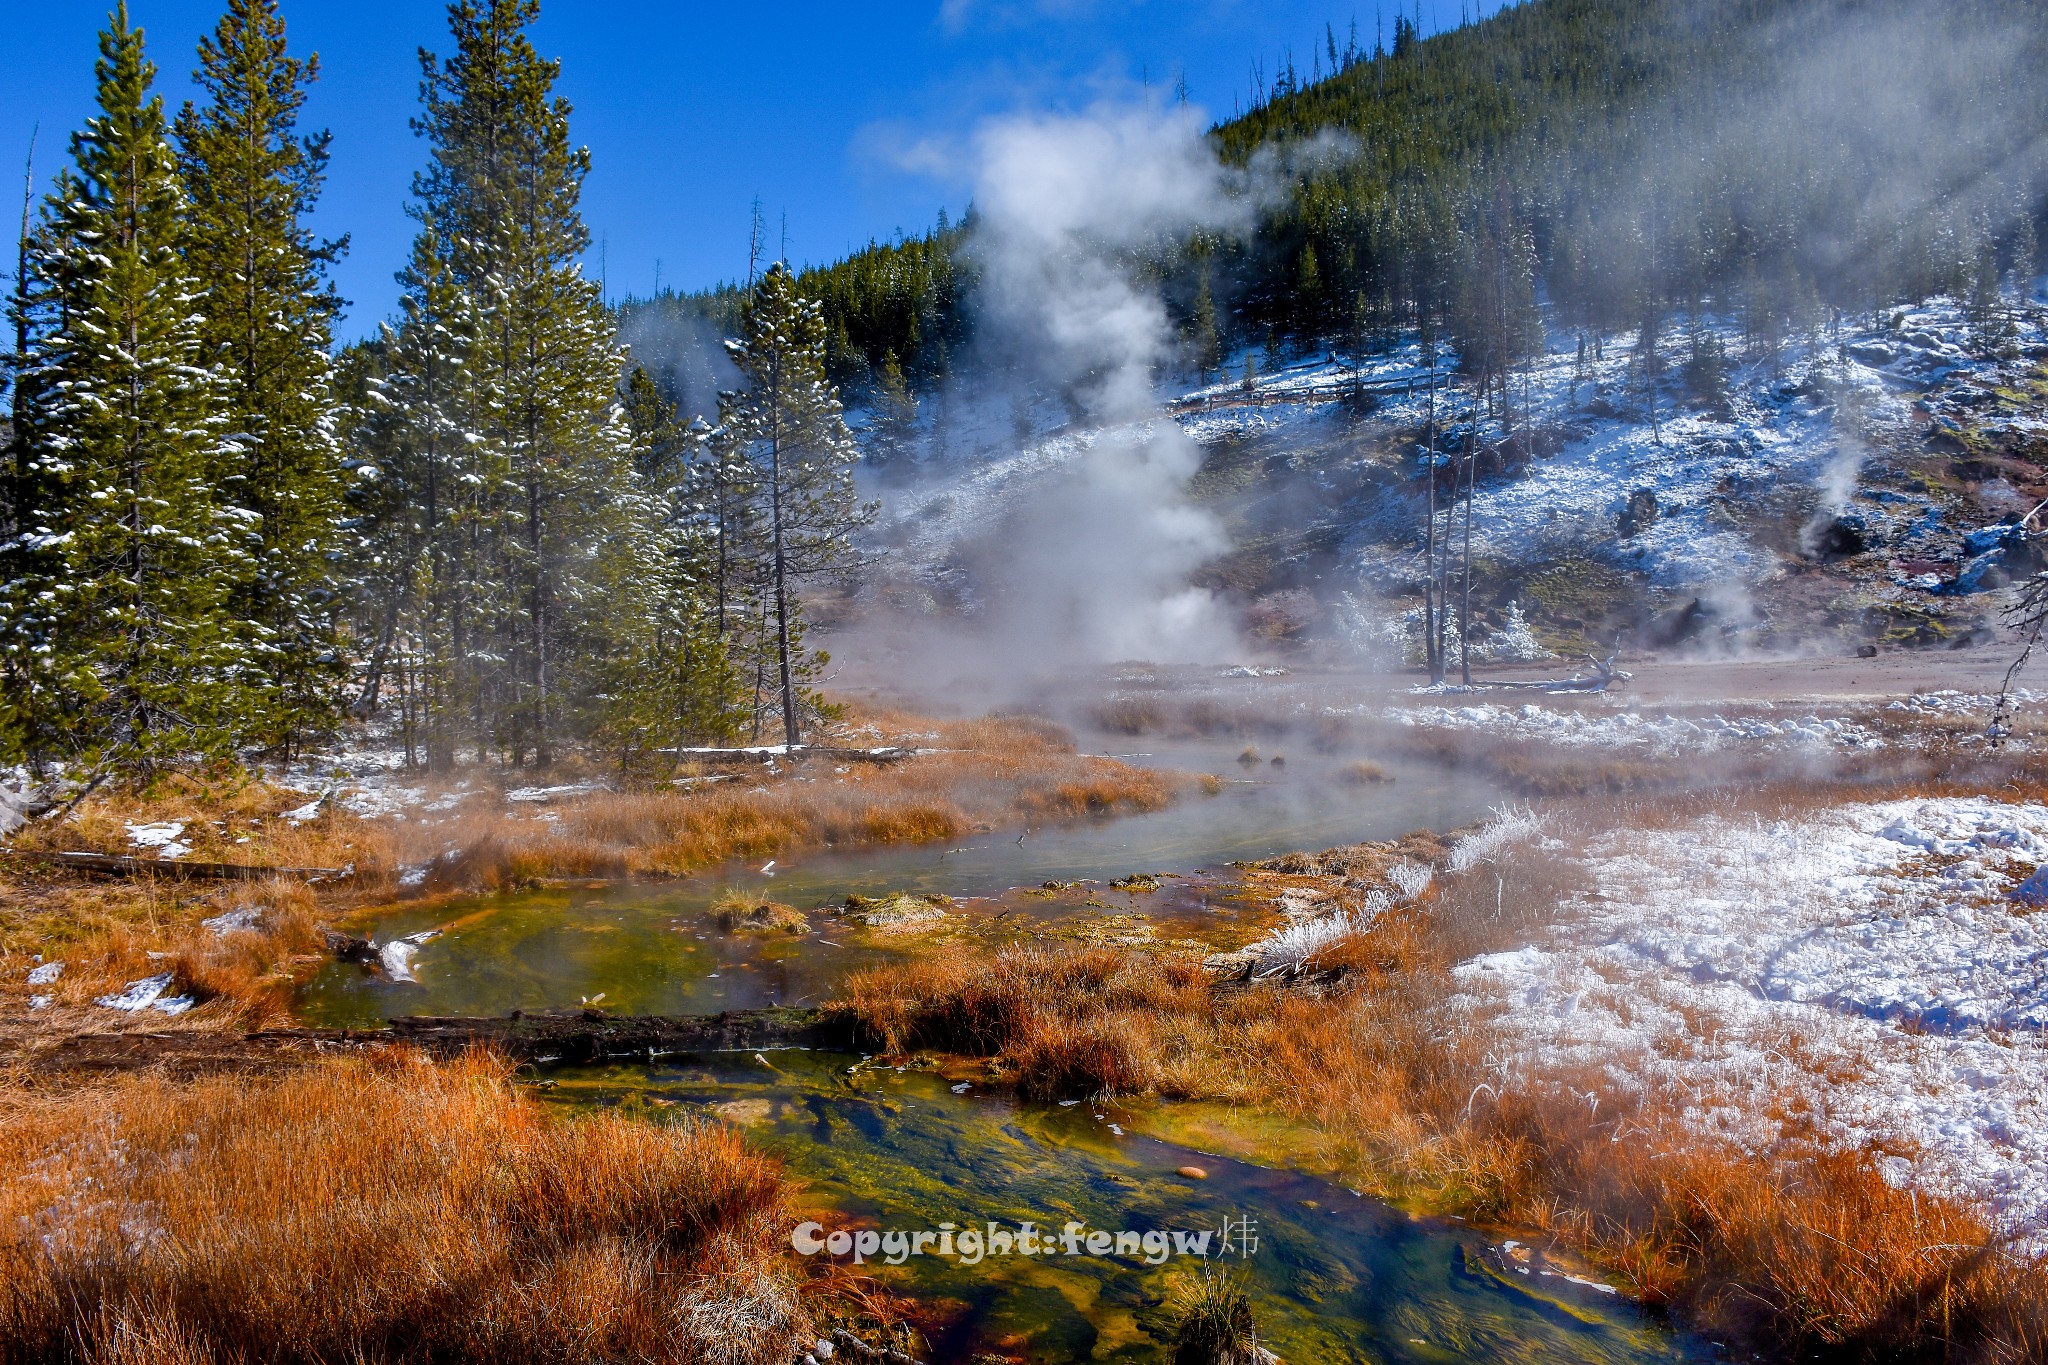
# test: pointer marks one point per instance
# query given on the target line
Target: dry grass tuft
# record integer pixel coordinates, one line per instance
(738, 912)
(392, 1210)
(1214, 1321)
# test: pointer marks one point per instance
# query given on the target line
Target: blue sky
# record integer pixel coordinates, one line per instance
(692, 109)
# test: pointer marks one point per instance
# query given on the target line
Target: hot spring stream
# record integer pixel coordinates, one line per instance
(1335, 1277)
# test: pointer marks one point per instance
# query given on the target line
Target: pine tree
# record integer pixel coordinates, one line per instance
(419, 506)
(267, 326)
(787, 421)
(672, 681)
(551, 458)
(894, 421)
(121, 646)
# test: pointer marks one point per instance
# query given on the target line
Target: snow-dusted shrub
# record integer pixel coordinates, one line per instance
(1298, 945)
(1510, 825)
(1513, 643)
(1410, 879)
(1376, 632)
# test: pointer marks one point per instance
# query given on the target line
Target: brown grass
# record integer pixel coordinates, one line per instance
(1787, 1250)
(985, 773)
(390, 1210)
(737, 912)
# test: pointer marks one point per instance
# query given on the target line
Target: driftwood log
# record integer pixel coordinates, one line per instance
(770, 753)
(122, 865)
(555, 1037)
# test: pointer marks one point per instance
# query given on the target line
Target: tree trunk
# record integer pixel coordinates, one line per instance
(1465, 604)
(1432, 639)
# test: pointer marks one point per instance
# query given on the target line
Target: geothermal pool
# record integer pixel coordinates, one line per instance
(1335, 1277)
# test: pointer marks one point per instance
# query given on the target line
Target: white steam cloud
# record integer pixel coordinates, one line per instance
(1063, 202)
(1091, 563)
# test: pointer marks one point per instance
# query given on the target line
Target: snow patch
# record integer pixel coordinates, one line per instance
(165, 836)
(1863, 965)
(148, 994)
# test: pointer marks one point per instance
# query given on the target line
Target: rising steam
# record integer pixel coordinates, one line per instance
(1091, 563)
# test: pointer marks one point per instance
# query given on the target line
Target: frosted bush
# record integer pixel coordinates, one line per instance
(1298, 945)
(1513, 643)
(1510, 825)
(1375, 632)
(1410, 879)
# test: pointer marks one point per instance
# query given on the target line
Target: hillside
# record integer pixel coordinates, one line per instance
(1772, 160)
(1848, 492)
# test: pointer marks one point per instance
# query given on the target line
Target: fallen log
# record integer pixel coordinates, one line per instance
(574, 1037)
(123, 865)
(554, 1037)
(770, 753)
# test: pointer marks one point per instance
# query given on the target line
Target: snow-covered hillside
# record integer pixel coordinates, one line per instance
(1851, 486)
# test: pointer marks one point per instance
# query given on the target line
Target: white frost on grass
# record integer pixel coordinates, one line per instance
(242, 919)
(1860, 973)
(1298, 945)
(1954, 703)
(543, 795)
(1510, 825)
(165, 836)
(1410, 879)
(1630, 730)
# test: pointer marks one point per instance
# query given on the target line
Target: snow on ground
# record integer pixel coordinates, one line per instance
(1710, 472)
(1950, 702)
(148, 994)
(165, 836)
(1862, 970)
(1658, 734)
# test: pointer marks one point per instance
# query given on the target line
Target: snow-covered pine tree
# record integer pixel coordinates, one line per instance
(670, 679)
(558, 495)
(789, 423)
(121, 641)
(892, 426)
(267, 325)
(422, 501)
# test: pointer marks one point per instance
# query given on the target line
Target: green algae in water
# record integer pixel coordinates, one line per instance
(650, 949)
(1335, 1277)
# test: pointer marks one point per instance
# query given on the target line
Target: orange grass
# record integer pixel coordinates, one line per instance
(392, 1210)
(984, 773)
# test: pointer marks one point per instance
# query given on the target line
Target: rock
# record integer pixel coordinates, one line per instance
(349, 948)
(1840, 536)
(1192, 1173)
(742, 1113)
(1639, 515)
(1874, 353)
(1866, 651)
(891, 912)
